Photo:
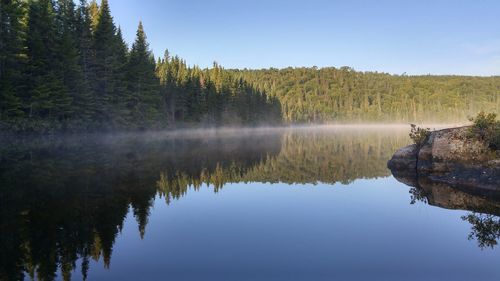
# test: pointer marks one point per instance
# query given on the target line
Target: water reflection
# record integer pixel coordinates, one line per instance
(64, 202)
(484, 217)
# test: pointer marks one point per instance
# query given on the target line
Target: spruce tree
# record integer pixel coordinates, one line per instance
(86, 101)
(46, 96)
(106, 64)
(12, 31)
(120, 94)
(69, 57)
(93, 10)
(144, 99)
(164, 75)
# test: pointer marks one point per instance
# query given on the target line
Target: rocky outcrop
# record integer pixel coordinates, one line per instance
(452, 157)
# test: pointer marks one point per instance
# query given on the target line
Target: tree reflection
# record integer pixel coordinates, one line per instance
(485, 229)
(64, 202)
(484, 217)
(417, 195)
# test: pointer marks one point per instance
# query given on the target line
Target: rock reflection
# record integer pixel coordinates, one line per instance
(484, 205)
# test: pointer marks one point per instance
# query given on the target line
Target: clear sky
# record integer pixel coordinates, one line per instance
(395, 36)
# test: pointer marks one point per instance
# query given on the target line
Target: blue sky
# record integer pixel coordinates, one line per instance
(416, 37)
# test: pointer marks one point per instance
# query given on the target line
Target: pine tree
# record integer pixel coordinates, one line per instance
(144, 98)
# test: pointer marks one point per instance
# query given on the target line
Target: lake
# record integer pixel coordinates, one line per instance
(302, 203)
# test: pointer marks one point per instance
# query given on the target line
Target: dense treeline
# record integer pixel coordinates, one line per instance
(66, 67)
(212, 96)
(344, 95)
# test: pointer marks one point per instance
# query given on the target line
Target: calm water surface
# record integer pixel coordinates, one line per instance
(290, 204)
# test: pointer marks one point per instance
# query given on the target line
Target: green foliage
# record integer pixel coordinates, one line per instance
(143, 100)
(211, 96)
(46, 97)
(106, 66)
(419, 135)
(488, 128)
(12, 61)
(93, 10)
(84, 101)
(344, 95)
(67, 64)
(64, 67)
(484, 121)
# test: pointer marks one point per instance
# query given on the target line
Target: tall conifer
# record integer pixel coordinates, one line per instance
(86, 102)
(106, 66)
(12, 31)
(46, 96)
(144, 98)
(69, 57)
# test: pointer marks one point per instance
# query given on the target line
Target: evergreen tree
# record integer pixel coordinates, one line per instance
(12, 32)
(93, 10)
(46, 96)
(69, 57)
(345, 95)
(86, 101)
(143, 98)
(61, 64)
(121, 94)
(106, 64)
(79, 69)
(164, 75)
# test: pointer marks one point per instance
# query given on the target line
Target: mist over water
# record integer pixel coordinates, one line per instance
(287, 203)
(119, 164)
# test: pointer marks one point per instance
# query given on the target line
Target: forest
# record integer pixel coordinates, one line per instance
(66, 67)
(343, 95)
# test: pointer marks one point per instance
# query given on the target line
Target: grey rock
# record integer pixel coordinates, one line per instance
(450, 157)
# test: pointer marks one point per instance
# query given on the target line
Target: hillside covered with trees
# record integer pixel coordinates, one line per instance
(66, 67)
(345, 95)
